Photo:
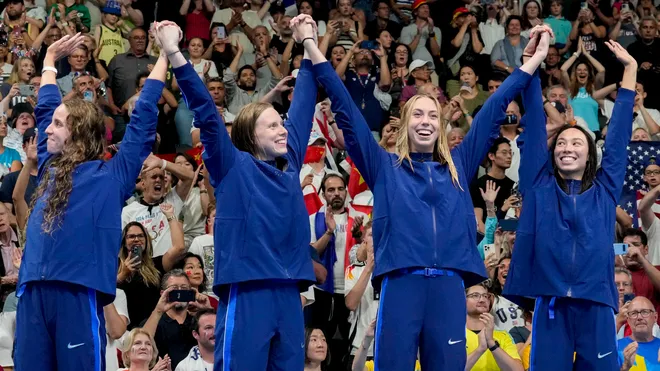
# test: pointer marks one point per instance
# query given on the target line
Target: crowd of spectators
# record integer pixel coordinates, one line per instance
(385, 51)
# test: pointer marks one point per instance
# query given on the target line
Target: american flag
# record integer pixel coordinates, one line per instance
(638, 154)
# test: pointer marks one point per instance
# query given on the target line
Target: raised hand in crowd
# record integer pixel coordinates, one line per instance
(629, 354)
(307, 180)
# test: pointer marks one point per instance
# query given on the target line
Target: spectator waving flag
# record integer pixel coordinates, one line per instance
(640, 155)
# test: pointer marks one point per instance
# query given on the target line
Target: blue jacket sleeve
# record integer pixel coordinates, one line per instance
(486, 126)
(615, 157)
(219, 152)
(533, 141)
(363, 149)
(301, 115)
(139, 137)
(49, 100)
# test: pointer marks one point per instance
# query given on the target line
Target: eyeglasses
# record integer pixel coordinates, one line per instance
(623, 284)
(644, 312)
(510, 153)
(135, 237)
(478, 296)
(652, 172)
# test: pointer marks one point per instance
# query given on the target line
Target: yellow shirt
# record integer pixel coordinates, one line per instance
(112, 42)
(487, 362)
(369, 366)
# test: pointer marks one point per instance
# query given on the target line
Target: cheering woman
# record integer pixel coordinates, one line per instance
(69, 270)
(563, 254)
(424, 226)
(262, 229)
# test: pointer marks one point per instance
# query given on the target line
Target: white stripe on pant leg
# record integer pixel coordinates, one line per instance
(229, 327)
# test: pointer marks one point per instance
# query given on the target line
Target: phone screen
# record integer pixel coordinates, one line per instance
(221, 32)
(181, 296)
(620, 248)
(508, 225)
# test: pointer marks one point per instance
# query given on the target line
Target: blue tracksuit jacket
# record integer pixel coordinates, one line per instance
(420, 218)
(262, 229)
(564, 240)
(84, 249)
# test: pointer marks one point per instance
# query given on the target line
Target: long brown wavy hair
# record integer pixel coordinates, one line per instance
(86, 143)
(441, 151)
(148, 271)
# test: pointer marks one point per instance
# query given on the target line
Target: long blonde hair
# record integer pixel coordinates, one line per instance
(441, 151)
(15, 76)
(130, 340)
(86, 143)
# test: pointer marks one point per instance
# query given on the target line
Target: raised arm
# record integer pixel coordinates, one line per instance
(303, 104)
(141, 130)
(363, 149)
(615, 158)
(486, 126)
(49, 93)
(219, 152)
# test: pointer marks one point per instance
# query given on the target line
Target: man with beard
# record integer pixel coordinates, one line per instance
(16, 17)
(499, 156)
(241, 84)
(170, 322)
(201, 355)
(363, 80)
(331, 237)
(488, 349)
(640, 350)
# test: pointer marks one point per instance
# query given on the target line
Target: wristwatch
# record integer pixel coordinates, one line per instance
(172, 217)
(494, 347)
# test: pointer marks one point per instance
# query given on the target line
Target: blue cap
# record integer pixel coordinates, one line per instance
(112, 7)
(650, 161)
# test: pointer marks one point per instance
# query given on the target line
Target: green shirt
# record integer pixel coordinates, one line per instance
(80, 8)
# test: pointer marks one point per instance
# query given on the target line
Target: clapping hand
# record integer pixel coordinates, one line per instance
(163, 364)
(621, 53)
(629, 354)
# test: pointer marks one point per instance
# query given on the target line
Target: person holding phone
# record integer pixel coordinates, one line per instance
(70, 262)
(425, 250)
(563, 255)
(255, 174)
(171, 320)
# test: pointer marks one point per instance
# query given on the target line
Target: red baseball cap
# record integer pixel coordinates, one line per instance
(417, 3)
(459, 12)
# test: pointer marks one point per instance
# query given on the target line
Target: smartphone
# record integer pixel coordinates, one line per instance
(625, 7)
(181, 296)
(221, 32)
(511, 120)
(88, 96)
(508, 225)
(620, 248)
(369, 45)
(489, 250)
(628, 297)
(466, 88)
(584, 5)
(516, 193)
(137, 251)
(26, 90)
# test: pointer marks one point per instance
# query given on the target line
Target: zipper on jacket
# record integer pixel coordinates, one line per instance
(574, 197)
(435, 232)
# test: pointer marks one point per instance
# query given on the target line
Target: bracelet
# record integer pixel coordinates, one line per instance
(48, 68)
(164, 165)
(329, 232)
(172, 53)
(203, 191)
(330, 122)
(170, 218)
(546, 102)
(527, 55)
(431, 34)
(307, 38)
